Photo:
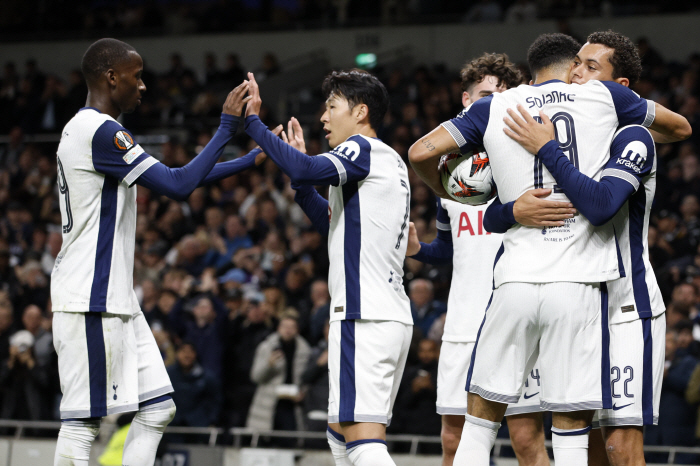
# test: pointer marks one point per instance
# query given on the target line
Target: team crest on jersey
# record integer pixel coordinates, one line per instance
(123, 140)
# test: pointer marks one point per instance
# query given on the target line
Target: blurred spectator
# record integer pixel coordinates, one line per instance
(7, 326)
(278, 365)
(315, 378)
(424, 308)
(415, 405)
(522, 11)
(683, 305)
(244, 333)
(204, 329)
(677, 418)
(27, 382)
(320, 310)
(197, 394)
(484, 11)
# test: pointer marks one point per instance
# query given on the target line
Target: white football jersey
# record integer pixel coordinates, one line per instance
(586, 118)
(368, 213)
(98, 162)
(637, 294)
(474, 252)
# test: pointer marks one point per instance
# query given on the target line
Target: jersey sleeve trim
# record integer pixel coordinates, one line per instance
(139, 169)
(455, 133)
(651, 113)
(342, 174)
(442, 226)
(622, 175)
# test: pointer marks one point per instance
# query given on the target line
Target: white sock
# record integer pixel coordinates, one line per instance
(570, 446)
(74, 442)
(145, 433)
(369, 452)
(478, 437)
(337, 444)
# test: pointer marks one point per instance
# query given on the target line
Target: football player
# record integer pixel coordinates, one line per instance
(636, 310)
(463, 241)
(550, 284)
(108, 360)
(366, 221)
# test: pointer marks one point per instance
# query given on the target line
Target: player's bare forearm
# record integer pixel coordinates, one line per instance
(425, 154)
(671, 126)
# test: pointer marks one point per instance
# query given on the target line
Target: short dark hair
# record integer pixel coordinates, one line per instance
(625, 58)
(490, 64)
(359, 87)
(549, 50)
(103, 55)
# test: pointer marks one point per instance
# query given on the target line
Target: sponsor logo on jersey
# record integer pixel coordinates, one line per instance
(629, 308)
(348, 150)
(527, 397)
(338, 309)
(123, 140)
(634, 156)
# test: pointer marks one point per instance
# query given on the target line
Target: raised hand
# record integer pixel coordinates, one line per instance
(236, 99)
(255, 102)
(296, 135)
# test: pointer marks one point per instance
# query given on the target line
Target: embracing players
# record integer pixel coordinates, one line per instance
(636, 310)
(108, 360)
(549, 288)
(463, 241)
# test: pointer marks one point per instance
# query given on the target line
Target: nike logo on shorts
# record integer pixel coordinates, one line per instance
(615, 408)
(527, 397)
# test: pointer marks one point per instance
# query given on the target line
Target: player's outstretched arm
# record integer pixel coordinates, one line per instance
(669, 126)
(440, 250)
(437, 252)
(425, 154)
(178, 183)
(252, 159)
(301, 168)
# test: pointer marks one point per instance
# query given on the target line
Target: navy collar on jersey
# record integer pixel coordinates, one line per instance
(549, 82)
(89, 108)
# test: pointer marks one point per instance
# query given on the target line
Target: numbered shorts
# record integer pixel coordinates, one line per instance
(107, 363)
(453, 368)
(559, 326)
(637, 353)
(366, 359)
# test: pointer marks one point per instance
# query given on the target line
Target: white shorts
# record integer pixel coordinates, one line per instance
(637, 353)
(366, 359)
(559, 326)
(453, 368)
(107, 363)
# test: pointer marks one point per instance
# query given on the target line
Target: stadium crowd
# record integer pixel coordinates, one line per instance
(233, 280)
(76, 18)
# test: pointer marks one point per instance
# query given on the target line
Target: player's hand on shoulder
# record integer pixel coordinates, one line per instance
(236, 99)
(533, 211)
(526, 131)
(413, 243)
(255, 102)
